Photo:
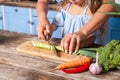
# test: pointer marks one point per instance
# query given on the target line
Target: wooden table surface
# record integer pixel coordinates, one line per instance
(16, 66)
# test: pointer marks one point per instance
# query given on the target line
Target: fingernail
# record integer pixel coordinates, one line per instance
(66, 52)
(75, 52)
(48, 31)
(70, 52)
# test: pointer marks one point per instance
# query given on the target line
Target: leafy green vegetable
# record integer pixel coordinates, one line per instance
(109, 55)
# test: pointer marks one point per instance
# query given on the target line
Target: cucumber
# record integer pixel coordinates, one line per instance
(45, 45)
(91, 52)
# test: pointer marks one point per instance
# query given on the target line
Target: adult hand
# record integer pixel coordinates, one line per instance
(72, 42)
(43, 28)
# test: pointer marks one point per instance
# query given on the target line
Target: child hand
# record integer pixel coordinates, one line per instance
(72, 42)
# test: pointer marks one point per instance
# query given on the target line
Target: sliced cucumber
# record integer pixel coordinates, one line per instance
(47, 46)
(91, 52)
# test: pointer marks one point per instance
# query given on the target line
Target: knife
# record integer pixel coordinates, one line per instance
(53, 46)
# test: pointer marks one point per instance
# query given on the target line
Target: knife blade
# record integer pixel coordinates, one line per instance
(53, 46)
(54, 50)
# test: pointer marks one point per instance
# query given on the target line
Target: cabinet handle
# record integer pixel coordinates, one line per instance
(34, 16)
(16, 10)
(31, 22)
(1, 18)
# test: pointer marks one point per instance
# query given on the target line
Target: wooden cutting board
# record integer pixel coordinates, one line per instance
(28, 48)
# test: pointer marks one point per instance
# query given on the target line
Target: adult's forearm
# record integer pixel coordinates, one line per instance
(97, 19)
(42, 9)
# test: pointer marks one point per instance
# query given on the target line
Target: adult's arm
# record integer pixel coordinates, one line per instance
(43, 22)
(42, 9)
(97, 19)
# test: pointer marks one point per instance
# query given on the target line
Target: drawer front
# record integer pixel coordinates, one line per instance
(17, 23)
(34, 14)
(1, 17)
(115, 34)
(114, 22)
(1, 21)
(51, 13)
(34, 26)
(16, 10)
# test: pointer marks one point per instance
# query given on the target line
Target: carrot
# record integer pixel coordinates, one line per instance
(82, 61)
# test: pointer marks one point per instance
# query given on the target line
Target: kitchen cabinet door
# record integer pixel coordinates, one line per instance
(17, 19)
(115, 34)
(34, 22)
(1, 26)
(51, 14)
(115, 27)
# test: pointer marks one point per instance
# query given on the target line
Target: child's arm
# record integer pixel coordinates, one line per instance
(88, 41)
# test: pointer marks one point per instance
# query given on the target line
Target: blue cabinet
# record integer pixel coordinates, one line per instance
(115, 27)
(34, 21)
(25, 20)
(1, 25)
(17, 19)
(20, 19)
(51, 14)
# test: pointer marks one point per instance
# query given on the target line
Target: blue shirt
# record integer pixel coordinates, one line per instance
(71, 23)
